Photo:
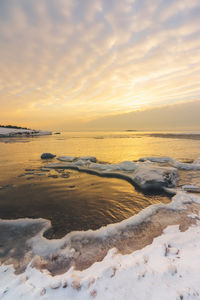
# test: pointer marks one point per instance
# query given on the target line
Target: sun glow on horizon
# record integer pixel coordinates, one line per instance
(83, 60)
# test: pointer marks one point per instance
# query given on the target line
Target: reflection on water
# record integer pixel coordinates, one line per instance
(110, 147)
(80, 201)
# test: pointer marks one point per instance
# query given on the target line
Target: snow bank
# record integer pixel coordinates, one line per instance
(23, 241)
(166, 269)
(10, 132)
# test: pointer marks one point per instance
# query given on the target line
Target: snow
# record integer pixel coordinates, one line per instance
(146, 166)
(186, 166)
(197, 161)
(66, 158)
(161, 159)
(191, 188)
(143, 174)
(88, 158)
(148, 176)
(10, 132)
(166, 269)
(173, 162)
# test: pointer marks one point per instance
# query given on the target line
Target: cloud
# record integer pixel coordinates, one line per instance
(97, 57)
(182, 116)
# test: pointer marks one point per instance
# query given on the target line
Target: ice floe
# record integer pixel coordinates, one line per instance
(145, 174)
(191, 188)
(175, 163)
(66, 158)
(148, 176)
(160, 159)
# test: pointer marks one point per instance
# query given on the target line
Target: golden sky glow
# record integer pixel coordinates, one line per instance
(68, 62)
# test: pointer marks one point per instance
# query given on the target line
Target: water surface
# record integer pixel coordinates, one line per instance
(78, 201)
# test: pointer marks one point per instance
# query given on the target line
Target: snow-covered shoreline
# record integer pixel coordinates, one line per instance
(13, 132)
(152, 255)
(167, 268)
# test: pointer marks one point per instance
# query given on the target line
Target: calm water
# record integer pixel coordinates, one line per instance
(78, 201)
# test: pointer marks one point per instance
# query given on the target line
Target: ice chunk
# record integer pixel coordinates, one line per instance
(98, 166)
(186, 166)
(150, 176)
(127, 166)
(197, 161)
(80, 162)
(88, 158)
(160, 159)
(191, 188)
(66, 158)
(173, 162)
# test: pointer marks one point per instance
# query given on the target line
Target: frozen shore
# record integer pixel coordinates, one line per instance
(151, 255)
(166, 268)
(13, 132)
(156, 173)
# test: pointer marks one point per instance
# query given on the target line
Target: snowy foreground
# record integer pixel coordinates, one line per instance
(11, 132)
(168, 268)
(154, 255)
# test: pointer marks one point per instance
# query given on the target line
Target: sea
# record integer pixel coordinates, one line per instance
(76, 201)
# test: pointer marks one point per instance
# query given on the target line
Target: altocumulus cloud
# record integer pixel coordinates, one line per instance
(75, 57)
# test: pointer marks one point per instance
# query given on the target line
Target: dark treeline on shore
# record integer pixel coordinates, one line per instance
(15, 127)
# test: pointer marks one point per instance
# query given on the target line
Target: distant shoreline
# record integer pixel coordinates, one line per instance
(15, 127)
(16, 131)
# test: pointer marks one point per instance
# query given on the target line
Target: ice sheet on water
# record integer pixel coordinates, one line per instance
(175, 163)
(144, 174)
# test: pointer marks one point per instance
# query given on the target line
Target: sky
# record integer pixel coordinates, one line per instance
(75, 64)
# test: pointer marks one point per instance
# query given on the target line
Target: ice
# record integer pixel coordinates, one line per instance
(160, 159)
(101, 167)
(66, 158)
(191, 188)
(166, 269)
(148, 176)
(81, 249)
(173, 162)
(186, 166)
(88, 158)
(143, 174)
(197, 161)
(124, 166)
(139, 258)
